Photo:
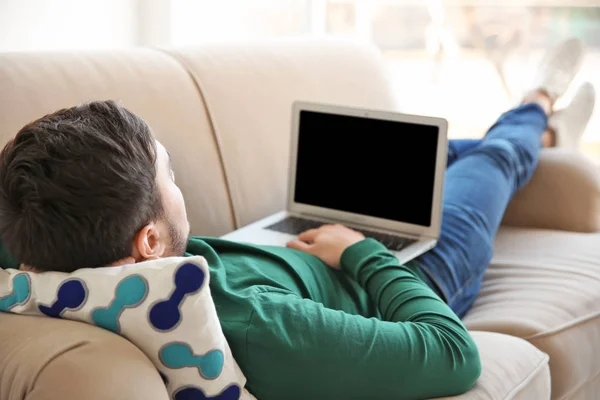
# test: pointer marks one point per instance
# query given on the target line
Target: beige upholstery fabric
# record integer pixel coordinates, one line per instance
(589, 391)
(512, 369)
(149, 83)
(564, 194)
(249, 90)
(50, 359)
(544, 286)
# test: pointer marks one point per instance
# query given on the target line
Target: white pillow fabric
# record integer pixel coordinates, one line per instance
(164, 307)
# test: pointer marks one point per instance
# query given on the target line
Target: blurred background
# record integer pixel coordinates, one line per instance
(464, 60)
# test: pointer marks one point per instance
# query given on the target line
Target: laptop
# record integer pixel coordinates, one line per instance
(378, 172)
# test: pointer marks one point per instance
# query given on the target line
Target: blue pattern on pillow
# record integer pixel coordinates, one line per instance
(71, 295)
(165, 315)
(193, 393)
(130, 292)
(180, 355)
(20, 292)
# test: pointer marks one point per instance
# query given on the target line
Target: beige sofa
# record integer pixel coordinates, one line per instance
(223, 112)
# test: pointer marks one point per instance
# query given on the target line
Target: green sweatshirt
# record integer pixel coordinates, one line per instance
(301, 330)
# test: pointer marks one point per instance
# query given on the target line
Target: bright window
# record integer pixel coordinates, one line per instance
(467, 61)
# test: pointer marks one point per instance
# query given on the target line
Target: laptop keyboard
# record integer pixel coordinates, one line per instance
(295, 226)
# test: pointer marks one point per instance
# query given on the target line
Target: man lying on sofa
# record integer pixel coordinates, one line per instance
(94, 189)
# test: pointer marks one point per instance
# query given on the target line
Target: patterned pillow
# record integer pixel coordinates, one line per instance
(164, 307)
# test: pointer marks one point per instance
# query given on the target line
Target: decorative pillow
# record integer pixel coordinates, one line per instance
(164, 307)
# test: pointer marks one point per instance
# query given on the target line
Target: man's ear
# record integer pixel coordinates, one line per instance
(149, 244)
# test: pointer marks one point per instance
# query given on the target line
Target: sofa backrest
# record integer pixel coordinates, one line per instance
(223, 112)
(249, 89)
(148, 82)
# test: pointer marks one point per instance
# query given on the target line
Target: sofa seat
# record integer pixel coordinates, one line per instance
(542, 286)
(512, 369)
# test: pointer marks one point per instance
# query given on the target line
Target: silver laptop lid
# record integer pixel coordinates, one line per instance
(367, 167)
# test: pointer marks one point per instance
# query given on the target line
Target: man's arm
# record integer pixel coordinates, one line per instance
(298, 349)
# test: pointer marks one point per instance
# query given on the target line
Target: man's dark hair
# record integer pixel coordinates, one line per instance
(76, 186)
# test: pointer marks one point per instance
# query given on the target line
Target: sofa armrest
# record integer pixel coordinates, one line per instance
(563, 194)
(51, 359)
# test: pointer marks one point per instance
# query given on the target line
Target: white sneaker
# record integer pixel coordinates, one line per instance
(558, 68)
(570, 122)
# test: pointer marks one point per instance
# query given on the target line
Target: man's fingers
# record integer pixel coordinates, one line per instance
(299, 245)
(309, 235)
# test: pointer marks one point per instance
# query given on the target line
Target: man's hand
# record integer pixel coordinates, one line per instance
(327, 242)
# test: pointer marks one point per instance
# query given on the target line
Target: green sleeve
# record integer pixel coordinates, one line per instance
(298, 349)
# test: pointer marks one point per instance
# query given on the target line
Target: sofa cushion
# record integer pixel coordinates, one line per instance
(511, 369)
(149, 83)
(249, 89)
(544, 286)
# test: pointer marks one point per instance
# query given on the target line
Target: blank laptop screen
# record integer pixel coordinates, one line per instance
(366, 166)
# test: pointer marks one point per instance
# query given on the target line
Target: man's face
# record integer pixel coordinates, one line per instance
(175, 226)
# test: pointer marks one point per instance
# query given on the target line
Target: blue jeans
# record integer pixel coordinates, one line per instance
(482, 177)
